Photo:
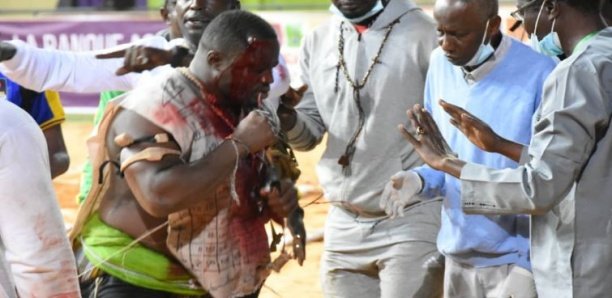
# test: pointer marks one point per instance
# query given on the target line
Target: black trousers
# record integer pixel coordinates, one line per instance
(112, 287)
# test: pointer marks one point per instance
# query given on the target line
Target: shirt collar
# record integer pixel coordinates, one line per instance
(471, 77)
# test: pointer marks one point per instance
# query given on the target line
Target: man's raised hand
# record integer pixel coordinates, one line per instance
(429, 142)
(480, 133)
(473, 128)
(288, 101)
(293, 96)
(255, 132)
(139, 58)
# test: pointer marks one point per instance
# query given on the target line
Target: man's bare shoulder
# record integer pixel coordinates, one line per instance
(131, 125)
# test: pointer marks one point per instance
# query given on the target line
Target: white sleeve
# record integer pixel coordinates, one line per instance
(42, 69)
(37, 251)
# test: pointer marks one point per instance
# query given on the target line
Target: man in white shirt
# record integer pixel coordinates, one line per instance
(35, 256)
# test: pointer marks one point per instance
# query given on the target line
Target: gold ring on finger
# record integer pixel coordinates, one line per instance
(143, 59)
(420, 131)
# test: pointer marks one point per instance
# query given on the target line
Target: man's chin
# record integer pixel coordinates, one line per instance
(456, 61)
(193, 37)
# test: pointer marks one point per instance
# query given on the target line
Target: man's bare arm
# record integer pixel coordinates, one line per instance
(58, 155)
(171, 184)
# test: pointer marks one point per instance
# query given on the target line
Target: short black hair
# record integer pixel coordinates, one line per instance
(230, 31)
(586, 6)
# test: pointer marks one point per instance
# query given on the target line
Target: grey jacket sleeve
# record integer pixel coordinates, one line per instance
(574, 113)
(309, 128)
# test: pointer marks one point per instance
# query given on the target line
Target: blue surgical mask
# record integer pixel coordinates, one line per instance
(484, 51)
(378, 7)
(550, 45)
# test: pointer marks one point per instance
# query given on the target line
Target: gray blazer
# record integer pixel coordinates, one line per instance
(566, 183)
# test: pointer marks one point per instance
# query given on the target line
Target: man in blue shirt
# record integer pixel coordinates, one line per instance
(499, 80)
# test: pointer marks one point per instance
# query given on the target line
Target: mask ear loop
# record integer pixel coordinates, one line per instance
(535, 29)
(484, 37)
(601, 7)
(552, 29)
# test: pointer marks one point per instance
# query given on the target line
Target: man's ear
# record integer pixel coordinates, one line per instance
(495, 24)
(552, 7)
(215, 59)
(164, 14)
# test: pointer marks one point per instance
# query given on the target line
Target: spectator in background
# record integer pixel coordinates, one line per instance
(168, 14)
(35, 256)
(47, 111)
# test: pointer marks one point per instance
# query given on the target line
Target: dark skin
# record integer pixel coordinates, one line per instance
(168, 13)
(572, 25)
(247, 76)
(188, 19)
(151, 191)
(529, 12)
(461, 29)
(194, 15)
(479, 132)
(141, 58)
(58, 154)
(607, 11)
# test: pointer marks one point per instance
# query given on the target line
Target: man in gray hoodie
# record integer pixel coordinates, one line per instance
(363, 69)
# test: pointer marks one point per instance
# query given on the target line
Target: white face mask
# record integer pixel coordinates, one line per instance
(484, 51)
(378, 7)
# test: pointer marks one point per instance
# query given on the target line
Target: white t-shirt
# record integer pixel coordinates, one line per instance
(35, 256)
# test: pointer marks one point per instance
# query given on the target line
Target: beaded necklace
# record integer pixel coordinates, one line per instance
(345, 159)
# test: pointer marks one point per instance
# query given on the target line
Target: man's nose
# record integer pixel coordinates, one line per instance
(446, 44)
(268, 77)
(196, 4)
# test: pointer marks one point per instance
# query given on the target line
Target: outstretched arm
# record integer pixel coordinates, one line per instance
(481, 133)
(166, 186)
(555, 160)
(41, 69)
(429, 142)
